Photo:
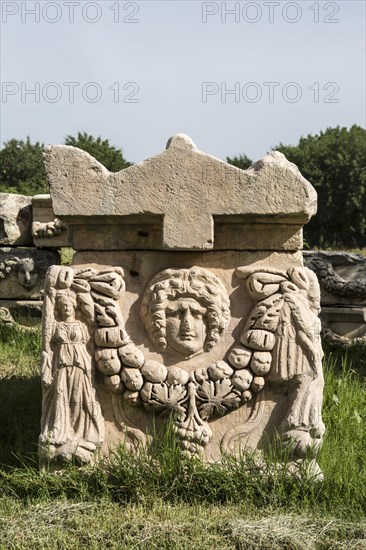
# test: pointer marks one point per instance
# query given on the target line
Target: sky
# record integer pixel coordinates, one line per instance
(237, 77)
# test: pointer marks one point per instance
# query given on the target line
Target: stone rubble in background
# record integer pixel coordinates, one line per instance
(342, 279)
(25, 224)
(47, 230)
(23, 271)
(15, 220)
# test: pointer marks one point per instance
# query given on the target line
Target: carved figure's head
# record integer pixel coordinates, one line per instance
(185, 310)
(66, 304)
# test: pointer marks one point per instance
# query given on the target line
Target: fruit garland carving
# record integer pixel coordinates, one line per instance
(192, 399)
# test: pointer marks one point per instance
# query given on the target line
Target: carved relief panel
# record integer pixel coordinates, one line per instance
(213, 347)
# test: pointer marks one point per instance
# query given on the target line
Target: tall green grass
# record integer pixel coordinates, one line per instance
(343, 456)
(20, 393)
(156, 481)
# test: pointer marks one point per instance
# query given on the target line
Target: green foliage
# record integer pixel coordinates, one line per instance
(67, 254)
(242, 161)
(108, 155)
(20, 393)
(160, 471)
(21, 168)
(149, 498)
(343, 456)
(335, 164)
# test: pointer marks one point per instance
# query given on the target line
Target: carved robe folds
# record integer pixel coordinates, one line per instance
(224, 342)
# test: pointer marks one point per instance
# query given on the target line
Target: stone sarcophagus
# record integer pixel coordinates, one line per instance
(342, 279)
(187, 299)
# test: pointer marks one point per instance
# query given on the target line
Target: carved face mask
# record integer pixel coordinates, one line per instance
(27, 277)
(186, 328)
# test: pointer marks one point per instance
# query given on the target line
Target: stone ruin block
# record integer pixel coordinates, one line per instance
(187, 299)
(342, 279)
(30, 221)
(47, 230)
(15, 220)
(24, 313)
(25, 222)
(22, 272)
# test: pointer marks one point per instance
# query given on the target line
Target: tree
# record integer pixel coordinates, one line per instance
(242, 161)
(21, 168)
(108, 155)
(334, 162)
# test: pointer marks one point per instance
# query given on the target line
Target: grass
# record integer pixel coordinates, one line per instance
(343, 456)
(94, 525)
(161, 500)
(20, 393)
(67, 254)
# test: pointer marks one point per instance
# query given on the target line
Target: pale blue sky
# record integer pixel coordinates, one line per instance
(169, 53)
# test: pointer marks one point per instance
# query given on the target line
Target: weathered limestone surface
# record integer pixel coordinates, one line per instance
(224, 341)
(26, 313)
(342, 278)
(47, 230)
(23, 270)
(183, 190)
(15, 220)
(25, 221)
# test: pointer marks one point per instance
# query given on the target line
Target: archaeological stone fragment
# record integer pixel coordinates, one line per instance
(47, 230)
(187, 300)
(15, 220)
(23, 271)
(342, 279)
